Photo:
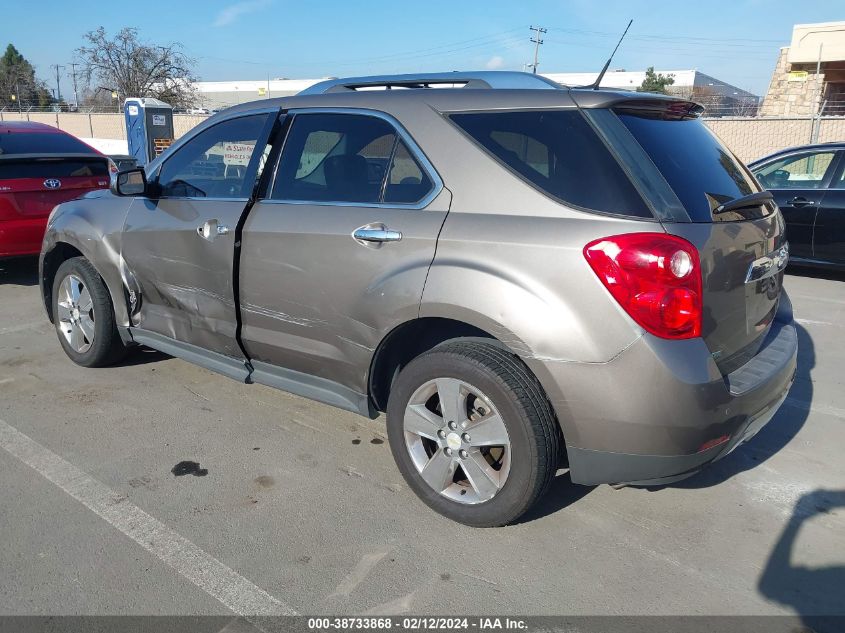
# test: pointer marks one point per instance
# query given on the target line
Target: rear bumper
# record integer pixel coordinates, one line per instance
(22, 236)
(595, 467)
(661, 410)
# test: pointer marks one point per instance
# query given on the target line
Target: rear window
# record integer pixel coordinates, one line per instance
(41, 143)
(559, 153)
(52, 168)
(701, 171)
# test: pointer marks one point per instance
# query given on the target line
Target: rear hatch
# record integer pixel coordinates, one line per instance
(739, 235)
(32, 184)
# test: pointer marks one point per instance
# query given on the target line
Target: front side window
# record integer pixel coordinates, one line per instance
(214, 163)
(347, 158)
(559, 153)
(801, 171)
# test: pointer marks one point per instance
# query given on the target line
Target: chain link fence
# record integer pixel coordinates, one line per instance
(754, 137)
(748, 137)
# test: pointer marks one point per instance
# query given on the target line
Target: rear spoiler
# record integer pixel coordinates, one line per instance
(670, 109)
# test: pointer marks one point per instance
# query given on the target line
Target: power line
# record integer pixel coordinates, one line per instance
(654, 36)
(537, 40)
(434, 51)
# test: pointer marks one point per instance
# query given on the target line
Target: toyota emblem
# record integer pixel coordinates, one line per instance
(52, 183)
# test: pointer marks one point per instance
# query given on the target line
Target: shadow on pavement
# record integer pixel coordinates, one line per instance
(141, 355)
(776, 434)
(561, 494)
(22, 271)
(816, 594)
(816, 273)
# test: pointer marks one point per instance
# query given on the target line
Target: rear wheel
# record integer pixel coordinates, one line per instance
(84, 315)
(472, 433)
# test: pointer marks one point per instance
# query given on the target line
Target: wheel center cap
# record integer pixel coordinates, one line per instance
(453, 441)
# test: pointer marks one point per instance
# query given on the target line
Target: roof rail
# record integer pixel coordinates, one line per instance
(483, 79)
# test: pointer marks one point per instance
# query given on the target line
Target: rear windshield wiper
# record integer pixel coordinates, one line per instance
(751, 200)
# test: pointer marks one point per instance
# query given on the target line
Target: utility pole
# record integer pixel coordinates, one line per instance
(537, 40)
(73, 66)
(57, 67)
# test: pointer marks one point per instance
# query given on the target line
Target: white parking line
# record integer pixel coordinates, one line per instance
(202, 569)
(813, 322)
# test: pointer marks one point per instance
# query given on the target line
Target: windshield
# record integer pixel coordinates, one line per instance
(701, 171)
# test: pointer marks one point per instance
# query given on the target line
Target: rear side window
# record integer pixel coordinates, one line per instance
(560, 154)
(701, 171)
(42, 143)
(406, 182)
(347, 158)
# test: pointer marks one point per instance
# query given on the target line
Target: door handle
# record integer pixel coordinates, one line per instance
(376, 233)
(801, 202)
(210, 230)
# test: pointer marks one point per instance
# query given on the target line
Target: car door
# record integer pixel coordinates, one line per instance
(178, 247)
(829, 238)
(797, 183)
(337, 253)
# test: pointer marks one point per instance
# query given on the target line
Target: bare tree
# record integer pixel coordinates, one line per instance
(132, 68)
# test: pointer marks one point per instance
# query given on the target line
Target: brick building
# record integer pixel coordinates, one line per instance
(797, 89)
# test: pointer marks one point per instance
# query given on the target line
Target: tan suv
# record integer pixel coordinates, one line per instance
(523, 276)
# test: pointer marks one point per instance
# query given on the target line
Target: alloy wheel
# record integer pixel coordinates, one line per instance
(457, 440)
(76, 314)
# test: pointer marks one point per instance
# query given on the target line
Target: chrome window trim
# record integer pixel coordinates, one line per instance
(192, 134)
(414, 149)
(196, 198)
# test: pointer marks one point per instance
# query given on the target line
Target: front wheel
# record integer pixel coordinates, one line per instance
(84, 316)
(472, 433)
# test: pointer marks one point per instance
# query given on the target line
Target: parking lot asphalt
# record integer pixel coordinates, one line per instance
(302, 508)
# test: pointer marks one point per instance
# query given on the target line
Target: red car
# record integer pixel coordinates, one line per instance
(40, 167)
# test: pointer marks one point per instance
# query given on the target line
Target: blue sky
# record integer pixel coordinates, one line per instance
(734, 40)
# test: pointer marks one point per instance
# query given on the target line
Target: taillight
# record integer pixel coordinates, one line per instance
(655, 277)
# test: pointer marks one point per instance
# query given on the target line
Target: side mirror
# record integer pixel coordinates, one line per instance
(132, 182)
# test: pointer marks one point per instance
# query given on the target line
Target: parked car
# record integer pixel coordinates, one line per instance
(40, 167)
(521, 276)
(808, 184)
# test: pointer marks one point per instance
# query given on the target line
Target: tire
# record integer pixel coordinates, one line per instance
(86, 329)
(520, 464)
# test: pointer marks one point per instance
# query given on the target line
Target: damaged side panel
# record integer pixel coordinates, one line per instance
(93, 226)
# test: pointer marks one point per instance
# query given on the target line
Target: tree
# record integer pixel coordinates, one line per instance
(655, 82)
(17, 77)
(131, 68)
